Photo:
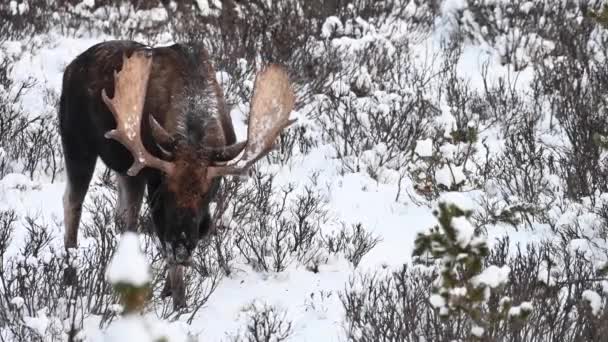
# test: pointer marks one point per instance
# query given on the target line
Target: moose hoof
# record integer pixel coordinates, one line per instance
(179, 302)
(70, 276)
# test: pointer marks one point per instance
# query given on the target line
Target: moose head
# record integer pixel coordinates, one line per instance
(189, 171)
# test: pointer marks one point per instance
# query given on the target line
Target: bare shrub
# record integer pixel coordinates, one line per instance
(265, 243)
(265, 323)
(578, 104)
(378, 114)
(14, 123)
(573, 87)
(520, 184)
(274, 227)
(25, 19)
(31, 285)
(27, 140)
(392, 307)
(395, 306)
(354, 243)
(297, 140)
(524, 31)
(555, 282)
(102, 233)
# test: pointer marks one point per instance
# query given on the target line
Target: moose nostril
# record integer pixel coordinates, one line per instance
(186, 262)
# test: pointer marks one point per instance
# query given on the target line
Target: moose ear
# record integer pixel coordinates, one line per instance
(224, 154)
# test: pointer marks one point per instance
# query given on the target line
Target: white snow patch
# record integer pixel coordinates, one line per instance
(458, 199)
(464, 230)
(424, 148)
(38, 323)
(594, 300)
(209, 7)
(448, 151)
(493, 276)
(128, 265)
(453, 5)
(437, 301)
(477, 331)
(450, 175)
(18, 302)
(13, 7)
(23, 8)
(526, 7)
(17, 181)
(518, 310)
(458, 291)
(331, 26)
(144, 329)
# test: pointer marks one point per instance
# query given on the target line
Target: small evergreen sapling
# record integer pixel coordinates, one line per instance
(463, 284)
(601, 17)
(129, 273)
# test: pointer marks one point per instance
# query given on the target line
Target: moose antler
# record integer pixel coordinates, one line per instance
(272, 102)
(127, 105)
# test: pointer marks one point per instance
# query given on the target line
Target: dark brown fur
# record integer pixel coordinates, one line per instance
(176, 98)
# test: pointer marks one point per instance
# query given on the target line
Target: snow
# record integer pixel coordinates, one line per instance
(458, 292)
(352, 197)
(18, 302)
(460, 200)
(129, 329)
(516, 311)
(135, 328)
(424, 148)
(209, 7)
(437, 301)
(453, 5)
(477, 331)
(331, 26)
(17, 181)
(448, 151)
(13, 7)
(594, 300)
(128, 265)
(464, 230)
(545, 275)
(493, 276)
(450, 175)
(39, 323)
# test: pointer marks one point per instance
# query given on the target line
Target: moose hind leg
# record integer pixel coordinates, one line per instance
(79, 174)
(130, 196)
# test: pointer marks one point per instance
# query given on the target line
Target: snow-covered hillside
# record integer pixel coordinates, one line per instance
(492, 106)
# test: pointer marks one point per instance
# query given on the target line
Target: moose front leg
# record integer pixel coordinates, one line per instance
(175, 286)
(130, 196)
(79, 173)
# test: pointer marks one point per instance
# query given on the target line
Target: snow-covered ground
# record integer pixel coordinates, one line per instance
(310, 300)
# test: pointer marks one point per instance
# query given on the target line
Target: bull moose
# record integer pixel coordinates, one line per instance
(157, 117)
